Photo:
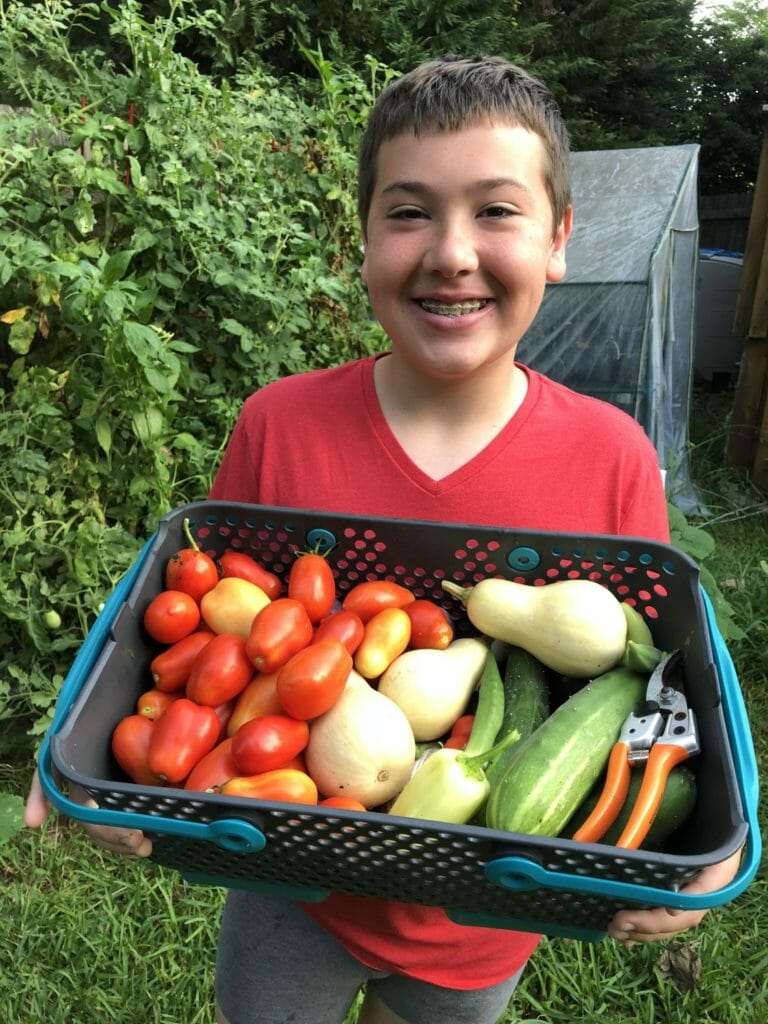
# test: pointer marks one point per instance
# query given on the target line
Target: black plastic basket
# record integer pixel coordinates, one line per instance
(478, 875)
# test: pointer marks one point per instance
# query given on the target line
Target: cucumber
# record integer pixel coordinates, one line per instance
(676, 807)
(550, 773)
(526, 704)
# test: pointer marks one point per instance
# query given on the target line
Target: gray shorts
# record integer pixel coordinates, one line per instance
(275, 964)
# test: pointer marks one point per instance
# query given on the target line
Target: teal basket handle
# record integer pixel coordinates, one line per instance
(520, 872)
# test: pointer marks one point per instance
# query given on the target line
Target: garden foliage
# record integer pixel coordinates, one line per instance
(168, 244)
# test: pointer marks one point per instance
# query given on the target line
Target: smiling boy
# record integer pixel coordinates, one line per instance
(465, 208)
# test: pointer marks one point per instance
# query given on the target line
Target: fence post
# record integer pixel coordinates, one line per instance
(747, 443)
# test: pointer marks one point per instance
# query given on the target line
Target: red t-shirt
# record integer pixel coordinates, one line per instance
(564, 462)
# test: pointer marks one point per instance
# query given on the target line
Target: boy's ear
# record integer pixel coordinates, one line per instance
(556, 266)
(364, 264)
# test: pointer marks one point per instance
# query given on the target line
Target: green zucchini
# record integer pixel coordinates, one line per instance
(489, 713)
(526, 703)
(676, 807)
(551, 772)
(638, 630)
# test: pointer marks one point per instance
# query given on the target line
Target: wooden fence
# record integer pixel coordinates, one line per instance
(748, 439)
(724, 221)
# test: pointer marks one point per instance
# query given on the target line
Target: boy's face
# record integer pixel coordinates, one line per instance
(459, 246)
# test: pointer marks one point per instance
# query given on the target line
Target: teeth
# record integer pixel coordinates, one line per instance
(453, 308)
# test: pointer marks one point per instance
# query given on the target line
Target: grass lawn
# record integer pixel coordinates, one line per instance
(88, 938)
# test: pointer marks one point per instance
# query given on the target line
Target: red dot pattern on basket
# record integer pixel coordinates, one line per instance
(362, 553)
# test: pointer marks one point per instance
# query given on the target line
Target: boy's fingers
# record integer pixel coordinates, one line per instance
(129, 842)
(126, 841)
(36, 807)
(664, 922)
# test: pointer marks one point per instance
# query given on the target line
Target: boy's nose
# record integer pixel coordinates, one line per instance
(451, 251)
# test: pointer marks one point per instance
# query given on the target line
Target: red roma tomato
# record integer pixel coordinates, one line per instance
(212, 771)
(258, 698)
(130, 745)
(181, 738)
(312, 582)
(153, 703)
(366, 599)
(192, 571)
(243, 567)
(268, 742)
(221, 671)
(313, 680)
(386, 636)
(279, 630)
(345, 803)
(430, 626)
(344, 626)
(457, 742)
(284, 785)
(171, 615)
(170, 668)
(463, 726)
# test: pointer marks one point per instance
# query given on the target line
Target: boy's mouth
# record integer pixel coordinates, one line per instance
(453, 308)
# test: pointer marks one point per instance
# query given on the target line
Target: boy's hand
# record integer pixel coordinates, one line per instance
(128, 841)
(630, 926)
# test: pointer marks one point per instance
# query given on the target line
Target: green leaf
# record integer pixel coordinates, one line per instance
(148, 424)
(104, 434)
(116, 266)
(20, 336)
(11, 816)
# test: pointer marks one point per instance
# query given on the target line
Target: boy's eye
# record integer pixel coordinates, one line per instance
(497, 210)
(407, 213)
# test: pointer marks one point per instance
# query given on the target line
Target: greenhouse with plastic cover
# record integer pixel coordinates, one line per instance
(620, 325)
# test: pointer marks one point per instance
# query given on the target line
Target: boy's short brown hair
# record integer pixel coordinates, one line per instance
(450, 93)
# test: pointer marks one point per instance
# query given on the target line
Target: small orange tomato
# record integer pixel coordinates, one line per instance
(258, 698)
(284, 785)
(386, 637)
(345, 803)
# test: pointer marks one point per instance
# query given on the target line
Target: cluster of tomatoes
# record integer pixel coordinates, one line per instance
(246, 663)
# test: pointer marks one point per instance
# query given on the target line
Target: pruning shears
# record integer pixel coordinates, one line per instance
(660, 736)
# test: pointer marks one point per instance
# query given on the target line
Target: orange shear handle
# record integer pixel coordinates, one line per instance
(661, 761)
(611, 799)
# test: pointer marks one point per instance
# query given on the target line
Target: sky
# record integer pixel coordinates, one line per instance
(704, 7)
